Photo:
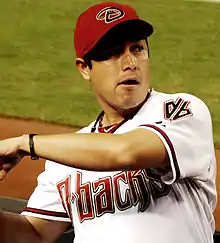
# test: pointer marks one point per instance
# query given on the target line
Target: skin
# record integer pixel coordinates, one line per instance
(116, 99)
(133, 150)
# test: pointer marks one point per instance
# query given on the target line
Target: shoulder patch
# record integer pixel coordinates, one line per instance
(176, 109)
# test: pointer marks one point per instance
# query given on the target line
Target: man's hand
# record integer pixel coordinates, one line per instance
(10, 155)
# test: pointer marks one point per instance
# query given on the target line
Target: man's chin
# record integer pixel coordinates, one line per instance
(132, 102)
(131, 105)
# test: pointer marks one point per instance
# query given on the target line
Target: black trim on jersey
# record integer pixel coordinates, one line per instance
(46, 212)
(170, 146)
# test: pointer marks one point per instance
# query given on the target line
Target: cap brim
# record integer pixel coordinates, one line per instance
(133, 30)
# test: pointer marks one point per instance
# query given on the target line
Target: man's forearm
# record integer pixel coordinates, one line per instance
(86, 151)
(133, 150)
(17, 229)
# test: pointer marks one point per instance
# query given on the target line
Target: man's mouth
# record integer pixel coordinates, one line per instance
(129, 82)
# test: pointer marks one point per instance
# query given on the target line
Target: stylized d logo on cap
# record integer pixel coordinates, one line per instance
(110, 14)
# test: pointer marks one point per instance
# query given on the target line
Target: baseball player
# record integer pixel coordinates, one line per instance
(143, 171)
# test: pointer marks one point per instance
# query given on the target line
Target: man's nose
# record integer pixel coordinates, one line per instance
(129, 61)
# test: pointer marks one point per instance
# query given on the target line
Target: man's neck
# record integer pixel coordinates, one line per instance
(115, 117)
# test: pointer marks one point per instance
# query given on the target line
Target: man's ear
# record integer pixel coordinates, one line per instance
(83, 68)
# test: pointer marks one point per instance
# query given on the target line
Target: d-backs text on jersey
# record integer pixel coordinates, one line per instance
(122, 191)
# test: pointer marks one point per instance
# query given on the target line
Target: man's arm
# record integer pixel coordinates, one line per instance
(24, 229)
(139, 148)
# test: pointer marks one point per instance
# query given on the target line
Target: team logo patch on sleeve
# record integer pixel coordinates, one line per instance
(110, 14)
(176, 109)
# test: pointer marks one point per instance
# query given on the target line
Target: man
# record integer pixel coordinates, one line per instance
(144, 171)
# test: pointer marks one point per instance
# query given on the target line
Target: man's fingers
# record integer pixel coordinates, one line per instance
(3, 174)
(4, 169)
(7, 167)
(7, 163)
(1, 162)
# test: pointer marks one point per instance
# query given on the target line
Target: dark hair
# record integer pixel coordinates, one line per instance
(88, 61)
(96, 54)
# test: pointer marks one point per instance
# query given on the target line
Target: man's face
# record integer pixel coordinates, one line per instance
(120, 78)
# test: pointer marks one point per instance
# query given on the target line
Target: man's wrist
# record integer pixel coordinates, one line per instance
(31, 146)
(24, 143)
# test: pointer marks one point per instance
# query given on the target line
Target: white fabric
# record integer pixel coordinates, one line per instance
(149, 205)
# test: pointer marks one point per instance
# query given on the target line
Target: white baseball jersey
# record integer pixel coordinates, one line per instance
(164, 205)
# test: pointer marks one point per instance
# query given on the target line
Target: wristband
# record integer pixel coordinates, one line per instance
(31, 147)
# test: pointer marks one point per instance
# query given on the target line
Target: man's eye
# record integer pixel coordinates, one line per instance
(109, 53)
(137, 48)
(114, 52)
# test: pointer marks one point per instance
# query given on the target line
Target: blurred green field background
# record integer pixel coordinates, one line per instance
(38, 78)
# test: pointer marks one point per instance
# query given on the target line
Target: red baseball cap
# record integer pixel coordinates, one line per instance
(97, 20)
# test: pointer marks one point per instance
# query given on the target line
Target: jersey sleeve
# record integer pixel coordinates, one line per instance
(45, 202)
(188, 140)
